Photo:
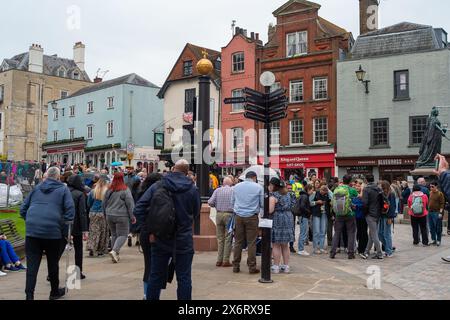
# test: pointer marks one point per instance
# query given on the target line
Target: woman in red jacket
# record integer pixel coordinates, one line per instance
(418, 203)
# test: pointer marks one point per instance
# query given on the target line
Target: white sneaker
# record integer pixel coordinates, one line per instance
(323, 251)
(2, 274)
(114, 256)
(303, 253)
(286, 269)
(275, 269)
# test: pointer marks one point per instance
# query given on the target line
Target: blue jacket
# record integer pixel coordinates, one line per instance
(46, 210)
(444, 181)
(187, 205)
(392, 213)
(357, 204)
(94, 205)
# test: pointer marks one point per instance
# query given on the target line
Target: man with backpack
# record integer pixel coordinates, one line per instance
(418, 204)
(168, 210)
(372, 207)
(345, 216)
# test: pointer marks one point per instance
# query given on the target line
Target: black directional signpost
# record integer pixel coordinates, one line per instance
(266, 108)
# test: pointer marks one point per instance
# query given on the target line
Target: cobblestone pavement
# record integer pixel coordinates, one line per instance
(414, 273)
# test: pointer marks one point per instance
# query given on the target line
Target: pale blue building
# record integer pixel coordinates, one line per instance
(95, 125)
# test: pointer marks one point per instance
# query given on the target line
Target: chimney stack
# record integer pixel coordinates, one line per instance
(368, 15)
(257, 36)
(36, 59)
(252, 35)
(79, 55)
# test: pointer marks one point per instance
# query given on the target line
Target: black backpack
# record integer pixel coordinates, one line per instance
(161, 217)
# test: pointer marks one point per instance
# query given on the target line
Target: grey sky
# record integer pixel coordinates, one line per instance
(146, 37)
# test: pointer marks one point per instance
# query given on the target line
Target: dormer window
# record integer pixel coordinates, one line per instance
(62, 72)
(76, 75)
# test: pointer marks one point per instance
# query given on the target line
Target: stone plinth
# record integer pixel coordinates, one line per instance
(207, 240)
(424, 172)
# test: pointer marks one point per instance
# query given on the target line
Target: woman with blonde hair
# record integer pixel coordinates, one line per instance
(98, 229)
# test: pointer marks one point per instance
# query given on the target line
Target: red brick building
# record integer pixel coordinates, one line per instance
(302, 52)
(238, 72)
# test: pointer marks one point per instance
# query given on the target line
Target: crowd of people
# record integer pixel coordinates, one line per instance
(354, 216)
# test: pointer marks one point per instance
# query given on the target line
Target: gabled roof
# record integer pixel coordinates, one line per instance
(51, 65)
(329, 29)
(302, 5)
(401, 38)
(213, 55)
(132, 79)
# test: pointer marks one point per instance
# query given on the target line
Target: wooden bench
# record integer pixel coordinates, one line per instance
(8, 228)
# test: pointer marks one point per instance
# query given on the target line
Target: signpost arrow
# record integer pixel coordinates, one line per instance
(255, 108)
(255, 116)
(235, 100)
(278, 117)
(277, 93)
(278, 99)
(254, 93)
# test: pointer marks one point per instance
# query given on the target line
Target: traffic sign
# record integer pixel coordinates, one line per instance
(235, 100)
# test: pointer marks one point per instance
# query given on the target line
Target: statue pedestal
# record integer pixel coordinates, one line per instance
(207, 240)
(424, 172)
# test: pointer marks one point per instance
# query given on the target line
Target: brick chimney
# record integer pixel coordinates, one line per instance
(36, 59)
(79, 55)
(368, 15)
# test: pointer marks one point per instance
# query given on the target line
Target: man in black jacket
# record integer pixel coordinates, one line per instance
(80, 225)
(187, 204)
(372, 210)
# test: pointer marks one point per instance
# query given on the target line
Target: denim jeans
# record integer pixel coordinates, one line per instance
(320, 230)
(159, 274)
(304, 229)
(435, 226)
(385, 235)
(7, 254)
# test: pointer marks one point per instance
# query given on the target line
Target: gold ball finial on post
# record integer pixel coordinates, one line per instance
(205, 66)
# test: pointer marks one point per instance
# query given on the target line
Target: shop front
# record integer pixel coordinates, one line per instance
(383, 168)
(321, 165)
(65, 152)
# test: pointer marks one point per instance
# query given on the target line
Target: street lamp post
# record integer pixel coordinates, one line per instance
(204, 68)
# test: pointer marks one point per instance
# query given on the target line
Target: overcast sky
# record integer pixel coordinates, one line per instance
(147, 36)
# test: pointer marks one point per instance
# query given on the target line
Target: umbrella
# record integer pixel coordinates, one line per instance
(259, 170)
(117, 164)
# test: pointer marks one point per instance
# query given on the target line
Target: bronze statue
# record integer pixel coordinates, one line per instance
(432, 141)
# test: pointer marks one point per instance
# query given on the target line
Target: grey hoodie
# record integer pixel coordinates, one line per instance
(118, 204)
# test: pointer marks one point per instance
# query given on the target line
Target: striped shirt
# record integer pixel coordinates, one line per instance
(222, 199)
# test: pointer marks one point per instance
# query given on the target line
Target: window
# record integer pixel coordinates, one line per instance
(380, 133)
(55, 135)
(2, 93)
(296, 92)
(320, 88)
(1, 119)
(417, 127)
(72, 111)
(76, 75)
(90, 107)
(189, 99)
(297, 44)
(64, 94)
(55, 115)
(320, 130)
(110, 128)
(401, 85)
(275, 133)
(62, 72)
(238, 62)
(218, 64)
(238, 139)
(110, 102)
(275, 86)
(187, 68)
(296, 132)
(90, 132)
(71, 133)
(237, 107)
